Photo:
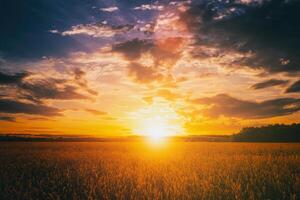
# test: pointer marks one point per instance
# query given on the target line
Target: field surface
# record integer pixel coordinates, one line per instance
(136, 170)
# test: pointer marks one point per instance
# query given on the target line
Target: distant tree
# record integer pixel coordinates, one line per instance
(270, 133)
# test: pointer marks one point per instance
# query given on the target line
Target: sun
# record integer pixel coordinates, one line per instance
(156, 128)
(157, 121)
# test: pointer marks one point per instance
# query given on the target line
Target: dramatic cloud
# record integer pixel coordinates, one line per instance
(12, 78)
(14, 107)
(267, 31)
(133, 49)
(50, 89)
(82, 82)
(109, 9)
(46, 88)
(150, 60)
(144, 74)
(161, 50)
(295, 87)
(57, 57)
(7, 118)
(97, 30)
(225, 105)
(269, 83)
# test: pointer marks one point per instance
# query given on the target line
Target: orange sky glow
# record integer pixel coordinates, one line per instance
(166, 82)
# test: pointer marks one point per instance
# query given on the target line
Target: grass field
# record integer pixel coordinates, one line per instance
(136, 170)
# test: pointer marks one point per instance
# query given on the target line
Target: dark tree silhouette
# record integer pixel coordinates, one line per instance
(270, 133)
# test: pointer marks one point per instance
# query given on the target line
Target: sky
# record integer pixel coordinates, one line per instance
(117, 68)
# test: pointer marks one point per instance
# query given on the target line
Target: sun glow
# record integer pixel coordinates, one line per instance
(158, 121)
(156, 128)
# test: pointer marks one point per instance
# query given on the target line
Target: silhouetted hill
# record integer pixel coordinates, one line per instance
(270, 133)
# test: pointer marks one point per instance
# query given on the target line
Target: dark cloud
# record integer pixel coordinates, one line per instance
(82, 82)
(47, 88)
(269, 31)
(225, 105)
(269, 83)
(40, 119)
(295, 87)
(78, 73)
(7, 118)
(144, 74)
(133, 49)
(7, 79)
(167, 51)
(163, 50)
(14, 107)
(164, 54)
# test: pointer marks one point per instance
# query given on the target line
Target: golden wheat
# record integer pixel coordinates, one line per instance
(136, 170)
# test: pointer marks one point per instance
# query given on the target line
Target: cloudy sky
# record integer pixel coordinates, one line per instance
(111, 68)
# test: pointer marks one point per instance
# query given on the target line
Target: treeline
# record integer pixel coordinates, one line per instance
(49, 138)
(270, 133)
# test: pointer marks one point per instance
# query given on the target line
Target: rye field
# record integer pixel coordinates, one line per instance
(138, 170)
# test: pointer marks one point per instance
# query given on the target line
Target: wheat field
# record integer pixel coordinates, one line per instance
(137, 170)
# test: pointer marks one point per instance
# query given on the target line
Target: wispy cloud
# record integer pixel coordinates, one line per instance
(110, 9)
(119, 56)
(15, 107)
(37, 89)
(149, 7)
(7, 118)
(96, 112)
(269, 83)
(225, 105)
(97, 30)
